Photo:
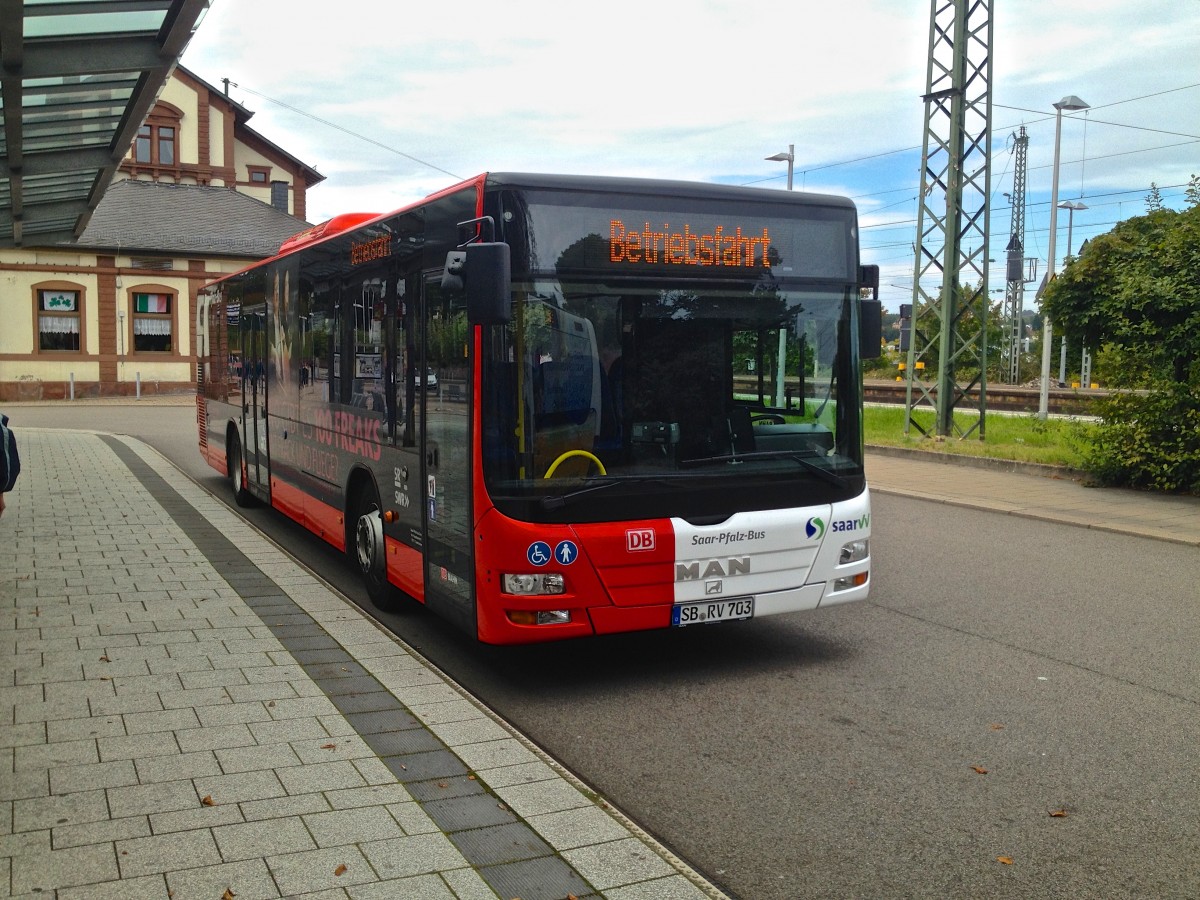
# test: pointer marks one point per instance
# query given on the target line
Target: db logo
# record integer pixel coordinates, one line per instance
(639, 539)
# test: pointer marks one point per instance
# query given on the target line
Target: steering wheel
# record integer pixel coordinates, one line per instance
(563, 457)
(770, 418)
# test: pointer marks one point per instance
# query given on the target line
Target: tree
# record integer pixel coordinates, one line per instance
(1135, 291)
(1136, 288)
(1154, 199)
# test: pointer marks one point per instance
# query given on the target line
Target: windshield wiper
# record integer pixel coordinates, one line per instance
(561, 500)
(820, 471)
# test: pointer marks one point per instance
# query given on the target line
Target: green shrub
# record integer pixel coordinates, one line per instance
(1149, 440)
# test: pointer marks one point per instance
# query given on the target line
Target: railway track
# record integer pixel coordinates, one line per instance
(1003, 397)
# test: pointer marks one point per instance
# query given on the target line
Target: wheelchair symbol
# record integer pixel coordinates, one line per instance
(538, 553)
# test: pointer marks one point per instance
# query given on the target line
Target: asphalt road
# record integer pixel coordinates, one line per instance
(1014, 713)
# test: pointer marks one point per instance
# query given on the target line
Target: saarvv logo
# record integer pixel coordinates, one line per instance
(815, 528)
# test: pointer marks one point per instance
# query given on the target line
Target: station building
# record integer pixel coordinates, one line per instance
(199, 194)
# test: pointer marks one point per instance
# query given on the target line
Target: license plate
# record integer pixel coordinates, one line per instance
(713, 611)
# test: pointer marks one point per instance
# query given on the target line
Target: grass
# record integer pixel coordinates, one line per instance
(1023, 438)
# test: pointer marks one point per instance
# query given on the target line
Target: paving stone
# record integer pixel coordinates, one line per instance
(45, 812)
(413, 855)
(43, 872)
(148, 887)
(70, 779)
(252, 840)
(145, 799)
(320, 776)
(248, 880)
(172, 768)
(247, 759)
(102, 831)
(492, 845)
(316, 870)
(196, 817)
(166, 853)
(241, 787)
(280, 807)
(352, 826)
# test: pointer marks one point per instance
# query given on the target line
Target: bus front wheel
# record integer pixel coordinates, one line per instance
(366, 549)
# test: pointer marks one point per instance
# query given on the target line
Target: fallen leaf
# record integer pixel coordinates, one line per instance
(470, 778)
(1007, 860)
(228, 895)
(105, 678)
(105, 659)
(980, 770)
(207, 800)
(271, 704)
(443, 784)
(340, 870)
(996, 726)
(329, 746)
(1059, 814)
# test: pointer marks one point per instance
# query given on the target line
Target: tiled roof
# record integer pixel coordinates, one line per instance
(186, 219)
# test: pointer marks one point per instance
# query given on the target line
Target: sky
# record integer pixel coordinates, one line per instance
(391, 101)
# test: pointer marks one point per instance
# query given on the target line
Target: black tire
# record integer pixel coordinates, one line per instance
(366, 550)
(237, 481)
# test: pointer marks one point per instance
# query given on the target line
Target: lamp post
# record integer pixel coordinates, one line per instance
(1070, 103)
(780, 396)
(1085, 364)
(789, 158)
(1070, 206)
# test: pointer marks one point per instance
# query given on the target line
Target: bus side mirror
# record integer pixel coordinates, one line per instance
(483, 273)
(870, 321)
(870, 313)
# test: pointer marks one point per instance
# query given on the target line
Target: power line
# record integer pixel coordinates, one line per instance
(355, 134)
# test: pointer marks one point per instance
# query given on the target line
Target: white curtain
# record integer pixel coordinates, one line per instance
(59, 324)
(151, 326)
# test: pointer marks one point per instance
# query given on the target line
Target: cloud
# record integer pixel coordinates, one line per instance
(704, 90)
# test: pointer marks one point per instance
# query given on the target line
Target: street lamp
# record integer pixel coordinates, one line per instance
(1071, 206)
(1070, 103)
(1086, 362)
(789, 158)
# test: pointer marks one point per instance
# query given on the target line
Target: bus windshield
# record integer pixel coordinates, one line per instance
(603, 401)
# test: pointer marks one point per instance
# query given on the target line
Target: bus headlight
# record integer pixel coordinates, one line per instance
(854, 551)
(532, 585)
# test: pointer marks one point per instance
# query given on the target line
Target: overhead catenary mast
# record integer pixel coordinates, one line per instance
(1014, 294)
(949, 326)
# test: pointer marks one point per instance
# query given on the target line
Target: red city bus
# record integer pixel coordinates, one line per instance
(550, 406)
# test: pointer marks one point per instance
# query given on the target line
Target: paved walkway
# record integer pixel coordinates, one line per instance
(189, 713)
(1037, 492)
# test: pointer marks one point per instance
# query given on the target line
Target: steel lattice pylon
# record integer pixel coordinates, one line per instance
(949, 325)
(1014, 293)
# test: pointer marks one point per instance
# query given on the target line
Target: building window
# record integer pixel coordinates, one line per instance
(259, 174)
(155, 145)
(279, 195)
(153, 323)
(58, 320)
(166, 145)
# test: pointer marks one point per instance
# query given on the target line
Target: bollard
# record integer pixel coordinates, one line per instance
(72, 385)
(138, 380)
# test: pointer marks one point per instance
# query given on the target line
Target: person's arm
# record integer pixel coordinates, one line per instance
(1, 504)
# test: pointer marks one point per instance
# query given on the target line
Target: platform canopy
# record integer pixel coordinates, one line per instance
(77, 79)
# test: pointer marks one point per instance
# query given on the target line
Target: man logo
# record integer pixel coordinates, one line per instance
(639, 539)
(815, 528)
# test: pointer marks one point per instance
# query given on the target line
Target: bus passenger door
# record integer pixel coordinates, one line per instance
(442, 381)
(254, 398)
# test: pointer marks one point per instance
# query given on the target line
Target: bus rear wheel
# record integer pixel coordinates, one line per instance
(237, 473)
(366, 548)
